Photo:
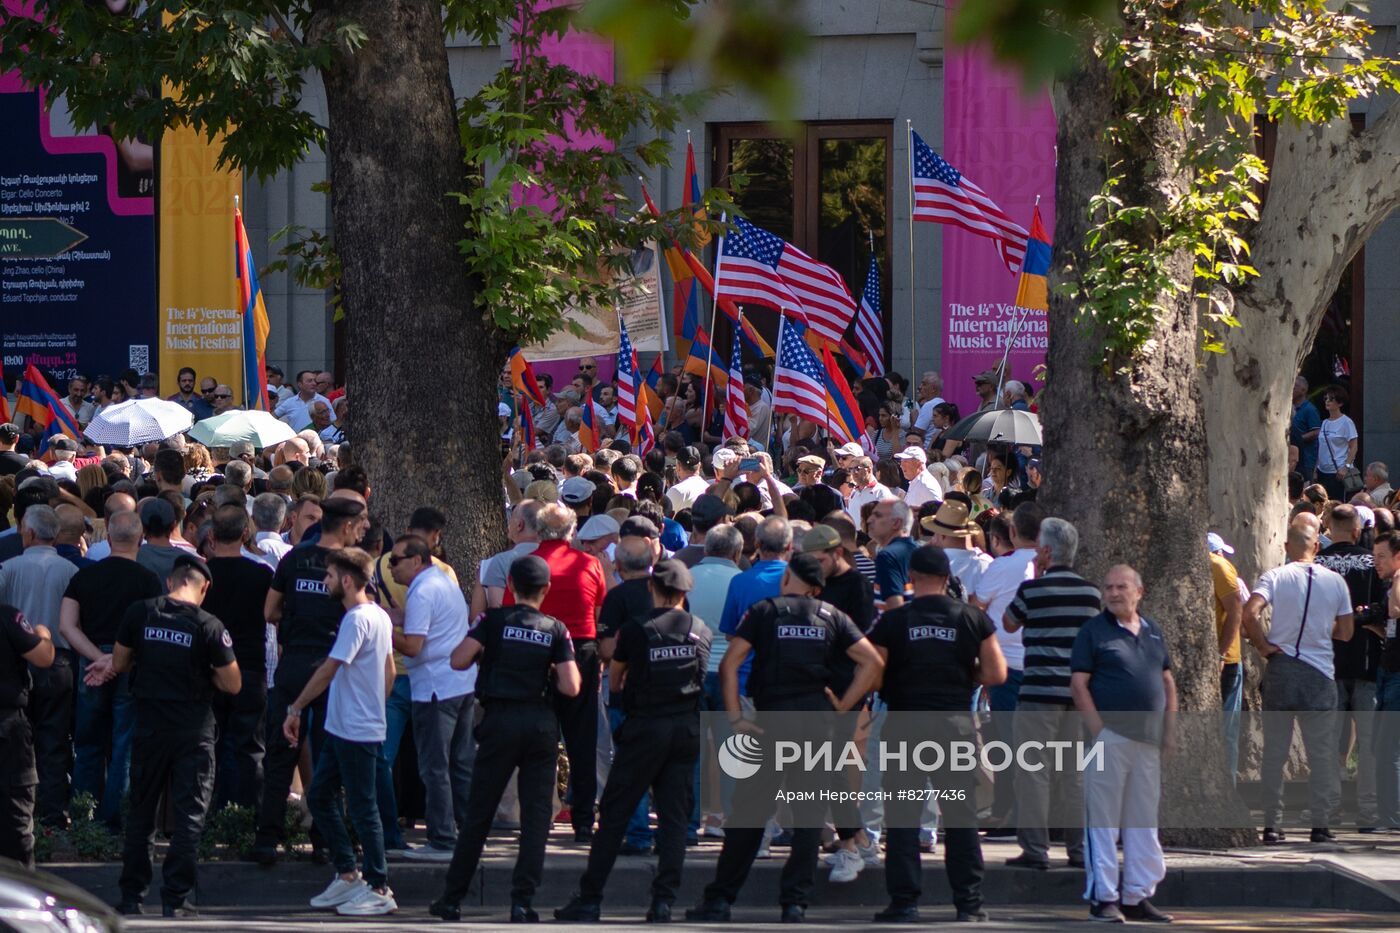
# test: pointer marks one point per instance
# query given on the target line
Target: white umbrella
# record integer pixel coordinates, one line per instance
(233, 426)
(138, 421)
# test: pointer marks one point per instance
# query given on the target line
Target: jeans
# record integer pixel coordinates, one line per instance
(106, 719)
(1385, 739)
(872, 810)
(1294, 689)
(349, 765)
(639, 834)
(713, 702)
(1003, 699)
(398, 710)
(1232, 701)
(442, 729)
(1356, 701)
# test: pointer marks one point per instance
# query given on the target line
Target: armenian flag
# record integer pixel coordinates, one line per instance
(1032, 291)
(587, 431)
(37, 399)
(522, 378)
(704, 362)
(255, 323)
(650, 390)
(843, 414)
(527, 423)
(754, 339)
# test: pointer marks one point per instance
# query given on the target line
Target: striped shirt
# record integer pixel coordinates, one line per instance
(1050, 609)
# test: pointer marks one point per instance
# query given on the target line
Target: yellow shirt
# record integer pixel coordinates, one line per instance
(1224, 582)
(391, 594)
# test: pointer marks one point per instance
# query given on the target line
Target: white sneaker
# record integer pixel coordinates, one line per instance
(846, 867)
(870, 854)
(428, 854)
(338, 892)
(369, 903)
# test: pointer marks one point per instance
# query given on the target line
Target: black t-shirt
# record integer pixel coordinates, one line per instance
(933, 644)
(1357, 658)
(629, 601)
(19, 638)
(176, 646)
(665, 674)
(797, 642)
(310, 617)
(237, 598)
(519, 644)
(12, 462)
(104, 591)
(853, 594)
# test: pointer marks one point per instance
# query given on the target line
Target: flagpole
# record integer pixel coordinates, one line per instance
(714, 311)
(913, 324)
(777, 353)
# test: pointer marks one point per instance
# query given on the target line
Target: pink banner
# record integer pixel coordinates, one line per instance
(1004, 142)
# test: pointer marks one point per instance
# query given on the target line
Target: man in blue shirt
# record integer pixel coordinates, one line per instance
(1302, 432)
(889, 524)
(763, 580)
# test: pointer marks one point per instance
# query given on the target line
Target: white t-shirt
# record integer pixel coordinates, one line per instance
(274, 548)
(436, 609)
(968, 564)
(684, 493)
(355, 711)
(997, 587)
(1286, 589)
(925, 418)
(1332, 440)
(922, 488)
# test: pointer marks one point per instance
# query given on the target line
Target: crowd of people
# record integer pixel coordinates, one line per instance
(227, 623)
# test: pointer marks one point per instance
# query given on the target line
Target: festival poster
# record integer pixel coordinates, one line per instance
(200, 323)
(77, 241)
(1003, 141)
(641, 306)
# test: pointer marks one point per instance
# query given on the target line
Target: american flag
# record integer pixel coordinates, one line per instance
(798, 386)
(756, 266)
(943, 196)
(869, 329)
(736, 407)
(627, 378)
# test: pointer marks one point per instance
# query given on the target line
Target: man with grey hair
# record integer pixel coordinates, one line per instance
(889, 524)
(524, 533)
(34, 583)
(223, 399)
(269, 515)
(1376, 481)
(1013, 395)
(868, 489)
(763, 580)
(564, 402)
(930, 396)
(239, 475)
(1048, 610)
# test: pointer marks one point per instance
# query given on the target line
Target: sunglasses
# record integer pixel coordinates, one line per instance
(396, 559)
(585, 368)
(224, 395)
(206, 391)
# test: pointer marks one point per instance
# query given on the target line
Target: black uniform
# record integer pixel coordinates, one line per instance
(17, 767)
(657, 745)
(310, 620)
(175, 646)
(518, 729)
(797, 646)
(933, 644)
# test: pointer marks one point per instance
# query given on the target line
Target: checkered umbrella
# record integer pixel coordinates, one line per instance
(138, 421)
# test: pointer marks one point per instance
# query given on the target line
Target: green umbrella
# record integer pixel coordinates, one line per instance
(233, 426)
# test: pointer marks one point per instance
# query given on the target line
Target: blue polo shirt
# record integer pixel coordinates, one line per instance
(763, 580)
(892, 569)
(1125, 674)
(1305, 418)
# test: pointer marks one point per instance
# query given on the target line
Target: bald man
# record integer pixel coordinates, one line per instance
(115, 504)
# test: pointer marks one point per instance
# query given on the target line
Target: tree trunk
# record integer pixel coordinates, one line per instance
(422, 362)
(1125, 450)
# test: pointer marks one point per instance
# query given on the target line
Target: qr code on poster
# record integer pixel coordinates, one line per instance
(138, 357)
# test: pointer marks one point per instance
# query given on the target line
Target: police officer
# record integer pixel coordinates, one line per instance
(937, 650)
(21, 644)
(178, 655)
(517, 647)
(658, 666)
(796, 640)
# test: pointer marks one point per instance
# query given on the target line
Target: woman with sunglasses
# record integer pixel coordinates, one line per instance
(1336, 444)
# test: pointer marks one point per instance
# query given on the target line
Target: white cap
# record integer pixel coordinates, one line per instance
(502, 410)
(850, 450)
(723, 457)
(912, 453)
(598, 526)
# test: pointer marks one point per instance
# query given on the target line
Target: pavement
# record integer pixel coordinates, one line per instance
(1353, 884)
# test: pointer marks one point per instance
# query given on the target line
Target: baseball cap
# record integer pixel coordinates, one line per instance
(673, 575)
(851, 449)
(189, 560)
(598, 526)
(688, 457)
(708, 508)
(63, 442)
(157, 516)
(807, 568)
(576, 490)
(502, 410)
(529, 572)
(820, 538)
(543, 490)
(1217, 544)
(241, 449)
(9, 433)
(673, 536)
(988, 376)
(931, 561)
(722, 458)
(912, 453)
(638, 526)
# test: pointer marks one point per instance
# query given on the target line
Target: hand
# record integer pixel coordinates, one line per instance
(1168, 745)
(834, 700)
(291, 727)
(757, 476)
(99, 672)
(746, 727)
(1269, 650)
(730, 472)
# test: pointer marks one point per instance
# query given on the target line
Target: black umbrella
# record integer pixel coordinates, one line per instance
(998, 426)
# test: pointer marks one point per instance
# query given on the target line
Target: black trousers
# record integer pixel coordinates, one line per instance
(51, 714)
(754, 803)
(17, 781)
(656, 753)
(578, 720)
(962, 846)
(510, 736)
(280, 758)
(175, 762)
(239, 753)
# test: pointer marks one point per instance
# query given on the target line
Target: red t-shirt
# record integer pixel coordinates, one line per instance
(576, 588)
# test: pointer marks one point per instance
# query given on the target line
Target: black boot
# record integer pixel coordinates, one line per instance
(659, 912)
(523, 913)
(714, 910)
(579, 911)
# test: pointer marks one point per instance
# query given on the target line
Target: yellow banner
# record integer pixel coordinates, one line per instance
(200, 323)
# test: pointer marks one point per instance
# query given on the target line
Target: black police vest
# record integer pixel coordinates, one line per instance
(671, 679)
(935, 669)
(797, 649)
(515, 658)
